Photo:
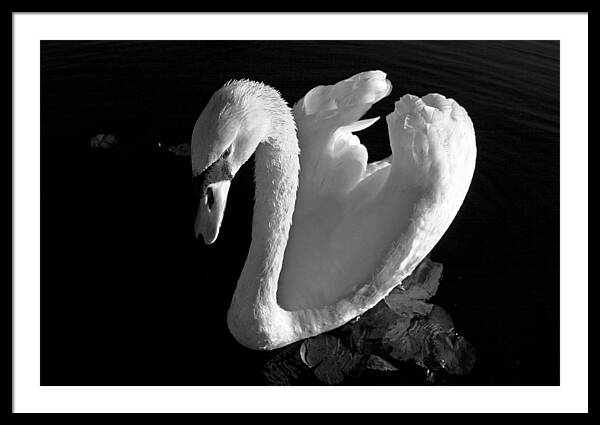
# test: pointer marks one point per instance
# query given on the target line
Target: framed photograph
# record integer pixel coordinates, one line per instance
(356, 211)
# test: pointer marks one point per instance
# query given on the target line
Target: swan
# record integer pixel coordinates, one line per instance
(332, 235)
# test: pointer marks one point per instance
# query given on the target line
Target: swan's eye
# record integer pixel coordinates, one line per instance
(227, 152)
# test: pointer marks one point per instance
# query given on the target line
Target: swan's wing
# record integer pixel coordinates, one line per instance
(359, 229)
(332, 158)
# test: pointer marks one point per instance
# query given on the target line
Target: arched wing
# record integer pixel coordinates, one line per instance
(332, 158)
(358, 228)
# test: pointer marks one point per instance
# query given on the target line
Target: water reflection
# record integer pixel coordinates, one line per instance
(399, 334)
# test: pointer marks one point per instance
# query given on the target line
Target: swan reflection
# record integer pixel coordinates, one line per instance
(402, 332)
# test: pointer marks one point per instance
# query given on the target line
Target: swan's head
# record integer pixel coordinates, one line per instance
(225, 136)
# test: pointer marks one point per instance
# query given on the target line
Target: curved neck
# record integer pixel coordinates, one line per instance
(254, 303)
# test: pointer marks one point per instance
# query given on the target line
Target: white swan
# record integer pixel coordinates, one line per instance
(332, 235)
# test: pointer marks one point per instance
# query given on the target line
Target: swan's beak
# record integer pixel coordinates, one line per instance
(211, 210)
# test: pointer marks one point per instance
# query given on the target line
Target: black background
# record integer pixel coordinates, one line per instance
(129, 297)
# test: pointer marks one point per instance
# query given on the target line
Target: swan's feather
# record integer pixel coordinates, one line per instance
(332, 158)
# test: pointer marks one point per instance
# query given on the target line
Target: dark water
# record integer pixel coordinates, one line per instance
(130, 298)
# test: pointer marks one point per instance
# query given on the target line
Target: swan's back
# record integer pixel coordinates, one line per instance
(358, 224)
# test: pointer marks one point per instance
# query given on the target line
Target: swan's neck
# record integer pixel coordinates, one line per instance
(254, 302)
